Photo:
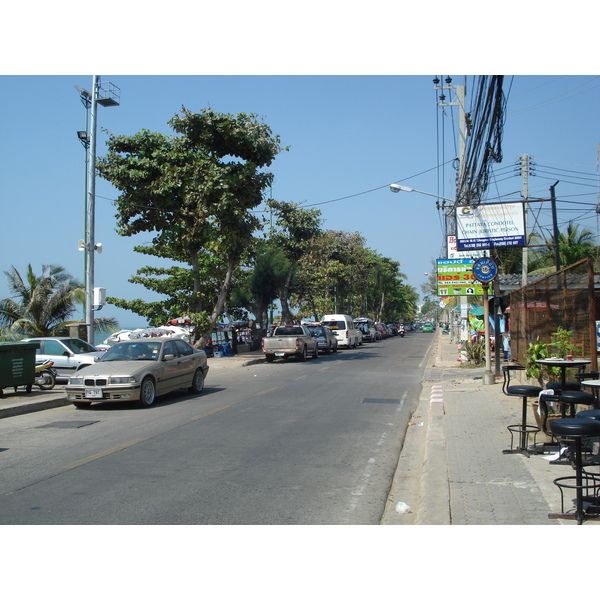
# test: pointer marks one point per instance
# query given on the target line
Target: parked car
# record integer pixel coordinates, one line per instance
(68, 354)
(290, 340)
(381, 331)
(325, 338)
(367, 328)
(343, 328)
(139, 370)
(393, 327)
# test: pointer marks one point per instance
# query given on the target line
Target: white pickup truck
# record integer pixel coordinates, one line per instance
(290, 340)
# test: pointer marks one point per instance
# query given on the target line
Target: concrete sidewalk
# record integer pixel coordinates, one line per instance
(452, 470)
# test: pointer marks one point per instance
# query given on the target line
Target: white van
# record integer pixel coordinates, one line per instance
(342, 326)
(367, 327)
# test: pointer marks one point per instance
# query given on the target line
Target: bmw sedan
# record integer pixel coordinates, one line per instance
(139, 370)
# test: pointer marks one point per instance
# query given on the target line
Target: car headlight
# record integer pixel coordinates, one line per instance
(76, 381)
(122, 380)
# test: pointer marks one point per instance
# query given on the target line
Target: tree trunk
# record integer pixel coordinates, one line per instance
(286, 315)
(218, 307)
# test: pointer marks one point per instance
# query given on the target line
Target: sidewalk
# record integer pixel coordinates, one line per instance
(452, 470)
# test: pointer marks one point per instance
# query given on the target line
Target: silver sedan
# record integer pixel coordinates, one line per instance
(139, 370)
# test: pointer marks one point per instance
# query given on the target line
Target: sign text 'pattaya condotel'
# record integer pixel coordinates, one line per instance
(490, 226)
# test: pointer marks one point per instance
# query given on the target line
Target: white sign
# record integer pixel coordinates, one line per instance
(454, 253)
(490, 226)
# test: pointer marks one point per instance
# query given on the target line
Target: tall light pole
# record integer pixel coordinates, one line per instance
(106, 96)
(84, 138)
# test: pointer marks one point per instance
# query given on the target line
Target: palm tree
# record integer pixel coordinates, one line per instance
(39, 306)
(573, 246)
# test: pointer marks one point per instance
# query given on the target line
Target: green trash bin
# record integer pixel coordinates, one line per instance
(17, 364)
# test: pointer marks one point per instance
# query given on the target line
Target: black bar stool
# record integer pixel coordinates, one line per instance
(591, 414)
(587, 485)
(570, 386)
(525, 392)
(572, 398)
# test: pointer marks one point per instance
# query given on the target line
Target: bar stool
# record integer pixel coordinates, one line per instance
(591, 414)
(525, 392)
(587, 485)
(572, 399)
(571, 386)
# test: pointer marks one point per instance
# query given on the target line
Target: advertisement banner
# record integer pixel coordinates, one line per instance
(490, 226)
(455, 278)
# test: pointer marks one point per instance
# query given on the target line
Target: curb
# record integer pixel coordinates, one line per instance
(24, 409)
(423, 447)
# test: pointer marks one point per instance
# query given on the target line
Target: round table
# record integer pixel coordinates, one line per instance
(564, 364)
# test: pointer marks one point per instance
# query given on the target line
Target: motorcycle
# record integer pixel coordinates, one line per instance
(401, 332)
(45, 375)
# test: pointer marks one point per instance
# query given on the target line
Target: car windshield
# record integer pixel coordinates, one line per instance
(78, 346)
(335, 324)
(289, 331)
(316, 331)
(135, 351)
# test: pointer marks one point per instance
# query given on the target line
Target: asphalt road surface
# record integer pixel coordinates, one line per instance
(283, 443)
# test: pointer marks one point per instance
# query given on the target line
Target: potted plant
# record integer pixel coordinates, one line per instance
(536, 351)
(563, 343)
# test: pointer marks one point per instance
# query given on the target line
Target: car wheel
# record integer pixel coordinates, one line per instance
(82, 404)
(316, 352)
(147, 393)
(197, 382)
(269, 357)
(302, 357)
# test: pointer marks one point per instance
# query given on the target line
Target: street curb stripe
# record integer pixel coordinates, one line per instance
(89, 459)
(212, 412)
(437, 394)
(266, 391)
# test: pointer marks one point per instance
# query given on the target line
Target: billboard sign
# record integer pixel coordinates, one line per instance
(490, 226)
(455, 278)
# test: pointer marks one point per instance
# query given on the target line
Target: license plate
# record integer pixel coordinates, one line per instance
(93, 393)
(279, 353)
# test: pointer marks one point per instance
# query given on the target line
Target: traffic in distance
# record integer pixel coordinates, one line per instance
(140, 370)
(310, 338)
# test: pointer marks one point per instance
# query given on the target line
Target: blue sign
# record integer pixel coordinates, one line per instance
(485, 270)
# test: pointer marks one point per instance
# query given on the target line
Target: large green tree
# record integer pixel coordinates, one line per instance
(195, 192)
(295, 230)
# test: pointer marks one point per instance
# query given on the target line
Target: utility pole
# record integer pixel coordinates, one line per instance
(555, 227)
(450, 215)
(525, 173)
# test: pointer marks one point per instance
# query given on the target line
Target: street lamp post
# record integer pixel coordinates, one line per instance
(105, 97)
(84, 138)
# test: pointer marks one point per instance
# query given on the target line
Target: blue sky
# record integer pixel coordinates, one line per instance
(349, 137)
(350, 92)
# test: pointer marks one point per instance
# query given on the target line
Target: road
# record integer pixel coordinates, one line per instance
(283, 443)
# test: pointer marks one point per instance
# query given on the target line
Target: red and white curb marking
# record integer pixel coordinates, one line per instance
(437, 395)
